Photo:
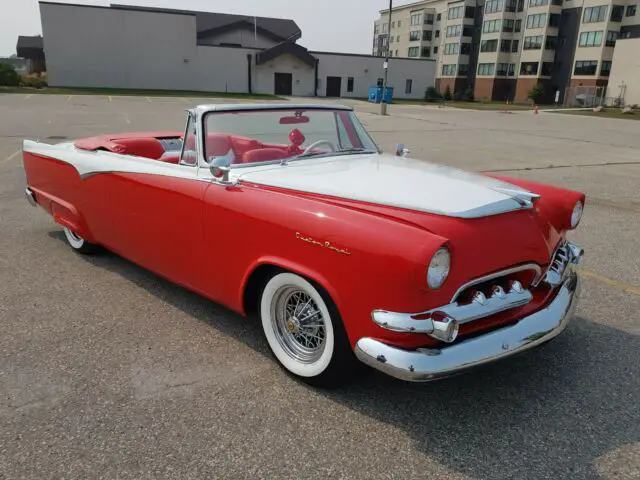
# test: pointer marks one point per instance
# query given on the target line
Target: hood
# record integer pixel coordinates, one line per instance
(394, 181)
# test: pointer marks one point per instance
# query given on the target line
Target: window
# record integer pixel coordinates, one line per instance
(416, 19)
(391, 39)
(426, 52)
(414, 36)
(515, 45)
(538, 3)
(617, 11)
(507, 25)
(391, 53)
(611, 39)
(529, 68)
(469, 12)
(451, 48)
(393, 24)
(590, 39)
(189, 157)
(399, 23)
(454, 30)
(435, 50)
(520, 5)
(455, 12)
(398, 38)
(556, 2)
(428, 19)
(350, 82)
(491, 26)
(511, 5)
(550, 43)
(586, 67)
(449, 70)
(463, 69)
(517, 26)
(605, 68)
(631, 11)
(505, 45)
(533, 43)
(554, 19)
(408, 85)
(537, 21)
(492, 6)
(376, 29)
(594, 14)
(426, 35)
(512, 70)
(396, 53)
(437, 33)
(467, 31)
(486, 69)
(413, 52)
(465, 48)
(489, 46)
(438, 17)
(501, 69)
(546, 69)
(384, 27)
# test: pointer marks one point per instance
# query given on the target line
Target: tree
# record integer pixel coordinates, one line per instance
(8, 76)
(431, 94)
(536, 94)
(447, 94)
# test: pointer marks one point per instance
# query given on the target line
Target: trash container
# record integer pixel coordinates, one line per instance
(375, 94)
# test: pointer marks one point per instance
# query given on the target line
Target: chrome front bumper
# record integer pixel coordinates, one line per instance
(30, 197)
(426, 364)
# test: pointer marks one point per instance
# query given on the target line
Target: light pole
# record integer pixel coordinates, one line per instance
(383, 103)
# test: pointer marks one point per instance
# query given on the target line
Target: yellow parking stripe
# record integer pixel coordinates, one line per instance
(110, 99)
(625, 287)
(69, 98)
(148, 99)
(27, 97)
(12, 156)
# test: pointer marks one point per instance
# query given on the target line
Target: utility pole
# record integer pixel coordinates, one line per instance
(383, 103)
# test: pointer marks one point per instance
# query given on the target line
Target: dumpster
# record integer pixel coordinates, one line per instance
(375, 95)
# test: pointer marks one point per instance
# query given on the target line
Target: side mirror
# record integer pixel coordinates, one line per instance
(219, 168)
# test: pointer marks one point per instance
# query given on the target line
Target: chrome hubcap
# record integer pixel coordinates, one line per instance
(298, 324)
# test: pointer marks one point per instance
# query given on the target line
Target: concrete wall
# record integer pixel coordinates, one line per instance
(366, 70)
(626, 68)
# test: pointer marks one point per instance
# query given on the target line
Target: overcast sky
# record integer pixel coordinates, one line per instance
(331, 25)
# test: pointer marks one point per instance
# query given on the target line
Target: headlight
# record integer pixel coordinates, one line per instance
(576, 215)
(438, 268)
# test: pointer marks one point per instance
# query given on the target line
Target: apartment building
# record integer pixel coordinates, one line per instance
(503, 48)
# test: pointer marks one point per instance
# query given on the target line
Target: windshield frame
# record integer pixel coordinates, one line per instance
(360, 130)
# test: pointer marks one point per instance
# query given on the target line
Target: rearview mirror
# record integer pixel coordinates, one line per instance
(294, 120)
(219, 168)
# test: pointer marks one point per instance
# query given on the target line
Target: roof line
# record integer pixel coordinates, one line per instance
(382, 59)
(117, 7)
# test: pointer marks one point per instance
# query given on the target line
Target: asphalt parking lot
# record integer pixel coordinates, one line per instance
(107, 371)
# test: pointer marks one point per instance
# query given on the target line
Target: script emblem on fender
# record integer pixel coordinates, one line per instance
(325, 244)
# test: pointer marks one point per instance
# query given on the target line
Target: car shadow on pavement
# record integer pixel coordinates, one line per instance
(555, 412)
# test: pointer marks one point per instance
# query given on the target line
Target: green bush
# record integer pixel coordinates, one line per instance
(447, 94)
(467, 95)
(432, 94)
(8, 76)
(33, 81)
(536, 94)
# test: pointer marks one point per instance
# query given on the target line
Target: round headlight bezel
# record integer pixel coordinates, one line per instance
(576, 214)
(439, 268)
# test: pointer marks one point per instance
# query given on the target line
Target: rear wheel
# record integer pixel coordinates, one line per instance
(78, 243)
(305, 332)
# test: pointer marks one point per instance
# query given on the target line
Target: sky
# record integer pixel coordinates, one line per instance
(329, 25)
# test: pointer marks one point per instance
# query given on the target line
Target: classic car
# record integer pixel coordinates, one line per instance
(348, 256)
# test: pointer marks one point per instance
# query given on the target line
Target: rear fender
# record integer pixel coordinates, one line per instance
(64, 214)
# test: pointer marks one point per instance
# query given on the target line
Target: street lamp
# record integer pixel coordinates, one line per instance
(383, 103)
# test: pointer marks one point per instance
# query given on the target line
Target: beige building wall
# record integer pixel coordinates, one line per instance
(624, 80)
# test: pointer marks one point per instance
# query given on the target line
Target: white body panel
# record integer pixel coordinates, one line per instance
(393, 181)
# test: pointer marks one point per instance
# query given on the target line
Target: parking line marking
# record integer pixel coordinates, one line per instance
(625, 287)
(27, 97)
(110, 99)
(12, 156)
(69, 98)
(148, 99)
(127, 119)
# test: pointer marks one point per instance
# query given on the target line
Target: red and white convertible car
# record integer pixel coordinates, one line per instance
(292, 212)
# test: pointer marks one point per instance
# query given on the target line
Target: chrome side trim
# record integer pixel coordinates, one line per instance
(520, 268)
(30, 197)
(427, 364)
(480, 307)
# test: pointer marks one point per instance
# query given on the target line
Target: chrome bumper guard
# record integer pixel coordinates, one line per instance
(426, 364)
(30, 197)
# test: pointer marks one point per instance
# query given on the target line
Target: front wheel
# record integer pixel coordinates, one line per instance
(78, 243)
(305, 332)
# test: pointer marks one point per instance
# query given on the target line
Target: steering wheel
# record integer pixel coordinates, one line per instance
(319, 142)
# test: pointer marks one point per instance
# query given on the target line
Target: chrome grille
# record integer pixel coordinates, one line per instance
(565, 254)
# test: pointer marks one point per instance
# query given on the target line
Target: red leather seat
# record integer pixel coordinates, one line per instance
(172, 157)
(264, 155)
(142, 147)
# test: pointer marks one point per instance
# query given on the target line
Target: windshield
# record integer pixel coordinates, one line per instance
(265, 136)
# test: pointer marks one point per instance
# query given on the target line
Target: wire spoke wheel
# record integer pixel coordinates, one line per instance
(298, 324)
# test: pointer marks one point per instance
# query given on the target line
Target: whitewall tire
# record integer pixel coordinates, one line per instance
(78, 243)
(304, 330)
